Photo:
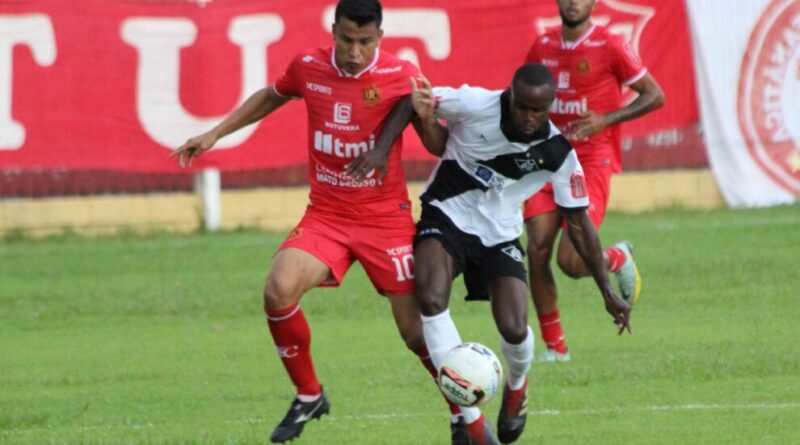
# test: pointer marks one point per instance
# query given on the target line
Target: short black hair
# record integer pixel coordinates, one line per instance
(534, 74)
(363, 12)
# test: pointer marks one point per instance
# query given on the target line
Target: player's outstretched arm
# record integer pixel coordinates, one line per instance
(650, 98)
(257, 106)
(584, 237)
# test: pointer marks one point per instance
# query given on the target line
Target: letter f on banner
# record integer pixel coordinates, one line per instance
(35, 31)
(159, 41)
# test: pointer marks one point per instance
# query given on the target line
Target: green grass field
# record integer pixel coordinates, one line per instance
(162, 340)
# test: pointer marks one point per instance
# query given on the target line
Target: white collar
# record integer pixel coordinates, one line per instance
(572, 44)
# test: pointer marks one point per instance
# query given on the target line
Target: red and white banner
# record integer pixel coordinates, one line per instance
(748, 71)
(116, 84)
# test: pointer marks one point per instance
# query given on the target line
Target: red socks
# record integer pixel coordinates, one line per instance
(616, 258)
(425, 358)
(552, 334)
(292, 337)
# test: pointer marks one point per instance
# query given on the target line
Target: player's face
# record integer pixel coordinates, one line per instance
(575, 12)
(530, 106)
(355, 45)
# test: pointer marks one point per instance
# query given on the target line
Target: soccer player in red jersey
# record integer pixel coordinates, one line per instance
(354, 214)
(590, 66)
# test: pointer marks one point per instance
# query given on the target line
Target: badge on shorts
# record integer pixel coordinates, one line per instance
(295, 233)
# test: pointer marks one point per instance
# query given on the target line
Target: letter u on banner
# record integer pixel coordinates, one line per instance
(158, 42)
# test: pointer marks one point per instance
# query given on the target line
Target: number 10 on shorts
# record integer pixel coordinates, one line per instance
(404, 266)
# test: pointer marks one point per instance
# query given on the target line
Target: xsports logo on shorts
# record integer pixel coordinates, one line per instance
(769, 88)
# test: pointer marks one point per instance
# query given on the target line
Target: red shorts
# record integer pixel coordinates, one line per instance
(383, 246)
(598, 184)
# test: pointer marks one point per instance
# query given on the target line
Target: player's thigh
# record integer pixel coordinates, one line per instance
(542, 231)
(502, 266)
(509, 299)
(433, 275)
(386, 252)
(293, 273)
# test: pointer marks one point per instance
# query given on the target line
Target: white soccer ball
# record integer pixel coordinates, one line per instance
(470, 374)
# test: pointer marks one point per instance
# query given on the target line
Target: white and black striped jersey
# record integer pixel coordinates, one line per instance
(483, 178)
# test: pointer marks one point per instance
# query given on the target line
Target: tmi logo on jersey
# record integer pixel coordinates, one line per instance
(578, 106)
(326, 143)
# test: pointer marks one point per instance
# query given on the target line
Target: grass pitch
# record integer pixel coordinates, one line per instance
(161, 340)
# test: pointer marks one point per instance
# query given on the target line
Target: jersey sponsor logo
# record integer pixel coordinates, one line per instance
(578, 185)
(328, 144)
(394, 69)
(527, 165)
(484, 173)
(563, 80)
(288, 351)
(513, 252)
(325, 175)
(342, 112)
(317, 88)
(769, 85)
(372, 95)
(552, 63)
(578, 106)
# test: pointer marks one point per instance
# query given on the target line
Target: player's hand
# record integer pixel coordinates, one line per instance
(193, 148)
(366, 164)
(589, 124)
(619, 309)
(422, 97)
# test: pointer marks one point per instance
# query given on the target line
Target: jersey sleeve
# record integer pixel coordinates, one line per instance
(569, 185)
(625, 63)
(448, 103)
(289, 84)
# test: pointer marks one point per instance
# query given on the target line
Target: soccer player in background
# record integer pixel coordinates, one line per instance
(353, 214)
(500, 150)
(590, 66)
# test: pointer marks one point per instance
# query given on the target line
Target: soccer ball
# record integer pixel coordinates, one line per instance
(470, 375)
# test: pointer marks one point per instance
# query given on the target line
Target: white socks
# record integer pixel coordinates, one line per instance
(518, 358)
(441, 336)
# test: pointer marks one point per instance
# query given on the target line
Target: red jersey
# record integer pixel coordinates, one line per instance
(345, 116)
(589, 74)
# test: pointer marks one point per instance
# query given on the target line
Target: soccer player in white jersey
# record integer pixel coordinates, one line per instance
(501, 149)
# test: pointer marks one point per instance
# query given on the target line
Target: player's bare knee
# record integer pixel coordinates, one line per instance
(571, 266)
(431, 302)
(279, 294)
(513, 331)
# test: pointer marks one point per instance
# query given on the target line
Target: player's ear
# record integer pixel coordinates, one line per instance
(333, 30)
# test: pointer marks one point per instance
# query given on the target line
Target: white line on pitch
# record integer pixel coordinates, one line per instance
(542, 412)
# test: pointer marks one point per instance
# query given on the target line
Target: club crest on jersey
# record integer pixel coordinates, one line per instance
(527, 165)
(578, 184)
(513, 252)
(372, 95)
(583, 66)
